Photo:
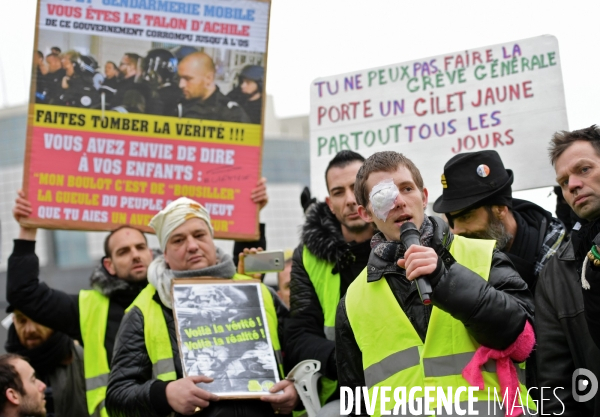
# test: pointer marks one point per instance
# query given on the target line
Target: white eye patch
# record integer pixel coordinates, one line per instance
(382, 198)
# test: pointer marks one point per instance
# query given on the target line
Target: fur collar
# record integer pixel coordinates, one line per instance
(106, 284)
(322, 233)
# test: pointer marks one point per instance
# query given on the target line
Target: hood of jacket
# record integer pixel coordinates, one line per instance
(531, 213)
(322, 233)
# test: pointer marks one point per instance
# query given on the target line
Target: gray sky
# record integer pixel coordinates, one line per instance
(315, 38)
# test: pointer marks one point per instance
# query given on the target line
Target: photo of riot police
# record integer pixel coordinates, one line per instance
(150, 78)
(223, 335)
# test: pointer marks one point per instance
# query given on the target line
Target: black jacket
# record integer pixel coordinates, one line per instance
(564, 343)
(56, 309)
(59, 310)
(215, 107)
(304, 334)
(132, 391)
(494, 312)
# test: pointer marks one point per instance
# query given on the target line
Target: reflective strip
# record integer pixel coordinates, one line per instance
(96, 382)
(329, 332)
(163, 366)
(454, 365)
(391, 365)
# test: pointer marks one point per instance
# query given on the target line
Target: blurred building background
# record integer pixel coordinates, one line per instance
(68, 257)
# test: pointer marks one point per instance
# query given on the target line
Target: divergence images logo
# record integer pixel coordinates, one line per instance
(584, 384)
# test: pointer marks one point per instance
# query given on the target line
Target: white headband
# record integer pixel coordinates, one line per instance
(174, 215)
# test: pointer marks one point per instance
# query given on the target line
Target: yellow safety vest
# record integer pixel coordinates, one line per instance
(156, 333)
(327, 287)
(393, 354)
(93, 319)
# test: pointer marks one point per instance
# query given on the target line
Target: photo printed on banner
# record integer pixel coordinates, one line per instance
(223, 334)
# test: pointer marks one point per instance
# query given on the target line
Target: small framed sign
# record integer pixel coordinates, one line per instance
(222, 333)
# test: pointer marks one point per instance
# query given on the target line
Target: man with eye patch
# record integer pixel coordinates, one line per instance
(477, 201)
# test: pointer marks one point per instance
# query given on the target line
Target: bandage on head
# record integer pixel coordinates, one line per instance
(382, 197)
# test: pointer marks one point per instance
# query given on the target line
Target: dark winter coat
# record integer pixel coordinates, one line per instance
(132, 390)
(564, 342)
(56, 309)
(215, 107)
(304, 334)
(494, 311)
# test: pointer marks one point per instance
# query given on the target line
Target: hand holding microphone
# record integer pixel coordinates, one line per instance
(422, 261)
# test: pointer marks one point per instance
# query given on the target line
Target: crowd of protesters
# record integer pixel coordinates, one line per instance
(514, 297)
(178, 83)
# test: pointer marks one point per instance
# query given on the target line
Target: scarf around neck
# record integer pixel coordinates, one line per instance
(161, 276)
(391, 251)
(44, 358)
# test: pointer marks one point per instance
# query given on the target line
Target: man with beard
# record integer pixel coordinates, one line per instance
(335, 248)
(92, 317)
(57, 361)
(202, 97)
(477, 201)
(479, 312)
(22, 393)
(249, 91)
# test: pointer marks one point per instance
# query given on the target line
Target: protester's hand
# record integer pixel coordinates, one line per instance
(22, 210)
(65, 82)
(418, 261)
(241, 269)
(282, 403)
(259, 194)
(184, 396)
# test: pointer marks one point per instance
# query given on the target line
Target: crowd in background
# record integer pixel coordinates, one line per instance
(171, 83)
(497, 293)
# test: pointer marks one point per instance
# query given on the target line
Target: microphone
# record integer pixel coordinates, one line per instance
(409, 235)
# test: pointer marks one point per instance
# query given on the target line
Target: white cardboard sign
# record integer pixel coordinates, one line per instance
(507, 97)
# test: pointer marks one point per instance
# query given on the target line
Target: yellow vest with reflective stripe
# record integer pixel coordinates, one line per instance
(93, 319)
(327, 287)
(393, 354)
(156, 333)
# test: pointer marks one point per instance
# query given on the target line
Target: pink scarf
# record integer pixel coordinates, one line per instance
(507, 374)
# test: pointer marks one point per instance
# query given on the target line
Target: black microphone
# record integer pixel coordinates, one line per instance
(409, 235)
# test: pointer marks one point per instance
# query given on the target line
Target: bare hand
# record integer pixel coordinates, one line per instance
(418, 261)
(283, 403)
(241, 269)
(184, 396)
(23, 210)
(259, 194)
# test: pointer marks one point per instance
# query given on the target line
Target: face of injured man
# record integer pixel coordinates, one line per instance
(190, 246)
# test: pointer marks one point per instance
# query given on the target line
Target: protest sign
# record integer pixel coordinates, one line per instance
(222, 332)
(147, 101)
(507, 97)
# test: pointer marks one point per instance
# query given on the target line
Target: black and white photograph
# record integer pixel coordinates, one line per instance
(223, 334)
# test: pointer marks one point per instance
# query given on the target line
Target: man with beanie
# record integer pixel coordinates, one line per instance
(479, 310)
(144, 382)
(568, 289)
(57, 361)
(477, 201)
